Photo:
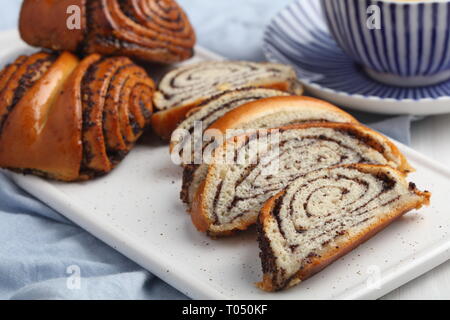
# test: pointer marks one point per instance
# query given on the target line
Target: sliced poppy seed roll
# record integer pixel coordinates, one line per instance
(262, 114)
(187, 87)
(326, 213)
(248, 169)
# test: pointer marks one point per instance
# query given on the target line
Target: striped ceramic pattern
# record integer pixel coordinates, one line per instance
(408, 42)
(299, 35)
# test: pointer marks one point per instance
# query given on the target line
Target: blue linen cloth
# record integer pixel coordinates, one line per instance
(38, 246)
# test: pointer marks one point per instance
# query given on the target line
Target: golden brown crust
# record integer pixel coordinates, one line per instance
(77, 120)
(149, 30)
(43, 23)
(257, 109)
(254, 110)
(18, 77)
(166, 121)
(333, 252)
(32, 140)
(198, 215)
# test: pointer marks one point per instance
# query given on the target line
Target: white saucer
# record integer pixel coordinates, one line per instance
(299, 36)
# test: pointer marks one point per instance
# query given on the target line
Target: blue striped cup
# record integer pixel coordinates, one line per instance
(397, 42)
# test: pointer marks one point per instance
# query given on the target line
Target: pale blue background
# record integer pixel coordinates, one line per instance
(37, 244)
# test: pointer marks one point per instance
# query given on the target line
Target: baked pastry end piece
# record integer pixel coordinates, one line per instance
(45, 24)
(325, 214)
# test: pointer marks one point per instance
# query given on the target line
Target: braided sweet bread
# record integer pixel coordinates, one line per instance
(70, 120)
(326, 213)
(186, 88)
(265, 113)
(150, 30)
(240, 180)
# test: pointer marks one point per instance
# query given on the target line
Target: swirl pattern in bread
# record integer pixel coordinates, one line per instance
(233, 192)
(213, 109)
(265, 113)
(71, 120)
(186, 88)
(326, 213)
(149, 30)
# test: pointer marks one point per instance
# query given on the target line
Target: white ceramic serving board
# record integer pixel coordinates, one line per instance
(136, 210)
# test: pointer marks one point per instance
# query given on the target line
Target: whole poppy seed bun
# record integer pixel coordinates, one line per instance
(71, 120)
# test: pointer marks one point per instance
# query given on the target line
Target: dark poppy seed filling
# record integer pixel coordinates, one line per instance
(210, 111)
(195, 83)
(185, 90)
(234, 193)
(194, 149)
(117, 107)
(163, 17)
(307, 151)
(321, 210)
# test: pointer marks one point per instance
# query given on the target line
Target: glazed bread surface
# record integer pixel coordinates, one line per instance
(148, 30)
(71, 120)
(326, 213)
(43, 23)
